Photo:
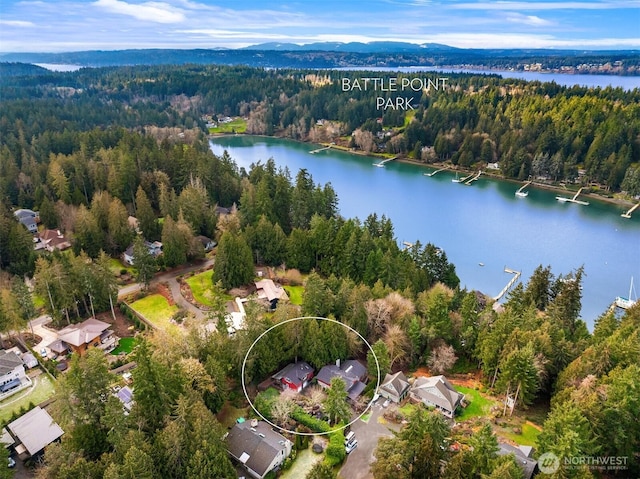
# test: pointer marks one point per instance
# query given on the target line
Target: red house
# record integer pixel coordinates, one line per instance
(295, 376)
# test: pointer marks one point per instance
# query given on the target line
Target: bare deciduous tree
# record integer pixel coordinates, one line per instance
(442, 358)
(396, 341)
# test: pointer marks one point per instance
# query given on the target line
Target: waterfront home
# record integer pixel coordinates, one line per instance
(294, 376)
(438, 393)
(257, 447)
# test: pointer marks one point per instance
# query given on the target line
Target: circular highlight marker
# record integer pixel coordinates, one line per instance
(244, 387)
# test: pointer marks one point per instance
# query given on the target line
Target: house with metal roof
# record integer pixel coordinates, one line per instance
(33, 431)
(436, 392)
(257, 447)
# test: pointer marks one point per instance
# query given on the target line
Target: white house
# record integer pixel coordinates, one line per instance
(12, 374)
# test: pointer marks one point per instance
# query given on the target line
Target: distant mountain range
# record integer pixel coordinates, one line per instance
(354, 54)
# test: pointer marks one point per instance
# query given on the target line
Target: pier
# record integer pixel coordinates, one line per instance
(469, 181)
(572, 200)
(512, 281)
(381, 164)
(521, 193)
(631, 210)
(319, 150)
(434, 172)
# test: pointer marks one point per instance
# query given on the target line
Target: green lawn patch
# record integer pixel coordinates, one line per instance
(295, 294)
(407, 409)
(237, 125)
(155, 308)
(41, 390)
(125, 345)
(479, 405)
(366, 417)
(529, 436)
(305, 460)
(202, 289)
(229, 413)
(38, 302)
(116, 266)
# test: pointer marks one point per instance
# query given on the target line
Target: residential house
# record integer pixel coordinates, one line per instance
(436, 392)
(54, 240)
(32, 432)
(207, 243)
(257, 447)
(77, 338)
(272, 292)
(155, 249)
(28, 218)
(395, 387)
(352, 371)
(125, 395)
(524, 458)
(29, 360)
(12, 373)
(294, 376)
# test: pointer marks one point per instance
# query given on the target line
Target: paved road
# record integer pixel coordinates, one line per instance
(367, 433)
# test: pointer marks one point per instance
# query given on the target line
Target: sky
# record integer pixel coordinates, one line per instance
(74, 25)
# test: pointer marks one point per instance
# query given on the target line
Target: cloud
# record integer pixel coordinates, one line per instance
(17, 23)
(509, 5)
(530, 20)
(157, 12)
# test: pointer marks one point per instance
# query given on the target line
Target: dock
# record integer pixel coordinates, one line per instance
(319, 150)
(469, 181)
(381, 164)
(434, 172)
(574, 199)
(512, 281)
(521, 193)
(631, 210)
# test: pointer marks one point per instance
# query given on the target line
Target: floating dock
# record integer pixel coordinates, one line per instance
(631, 210)
(521, 193)
(474, 178)
(319, 150)
(381, 164)
(512, 281)
(573, 200)
(434, 172)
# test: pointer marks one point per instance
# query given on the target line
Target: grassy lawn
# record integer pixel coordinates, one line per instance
(407, 409)
(156, 309)
(41, 390)
(479, 405)
(229, 413)
(38, 302)
(237, 125)
(115, 265)
(529, 436)
(200, 285)
(305, 460)
(295, 294)
(125, 345)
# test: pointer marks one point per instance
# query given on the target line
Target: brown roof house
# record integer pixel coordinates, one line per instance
(54, 240)
(270, 291)
(436, 392)
(32, 432)
(395, 387)
(257, 447)
(77, 338)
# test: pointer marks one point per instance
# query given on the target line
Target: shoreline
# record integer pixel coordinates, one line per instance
(624, 203)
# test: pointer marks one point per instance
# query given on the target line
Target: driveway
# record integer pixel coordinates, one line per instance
(367, 433)
(39, 326)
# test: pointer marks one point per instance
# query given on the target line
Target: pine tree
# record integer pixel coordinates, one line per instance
(234, 262)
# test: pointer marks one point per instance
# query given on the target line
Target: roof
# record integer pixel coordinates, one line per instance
(35, 430)
(8, 362)
(204, 240)
(269, 290)
(27, 221)
(523, 458)
(129, 251)
(437, 390)
(55, 239)
(125, 395)
(58, 347)
(255, 446)
(24, 213)
(351, 372)
(294, 373)
(396, 384)
(82, 333)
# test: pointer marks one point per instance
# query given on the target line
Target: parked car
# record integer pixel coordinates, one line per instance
(386, 403)
(11, 463)
(349, 438)
(351, 446)
(43, 352)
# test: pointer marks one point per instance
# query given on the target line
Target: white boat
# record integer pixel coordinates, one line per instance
(626, 303)
(522, 194)
(456, 179)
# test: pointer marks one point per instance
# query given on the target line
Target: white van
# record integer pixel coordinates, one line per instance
(349, 437)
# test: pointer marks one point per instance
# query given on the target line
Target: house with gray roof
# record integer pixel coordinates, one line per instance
(257, 447)
(524, 458)
(438, 393)
(33, 431)
(295, 376)
(12, 375)
(352, 372)
(28, 218)
(395, 387)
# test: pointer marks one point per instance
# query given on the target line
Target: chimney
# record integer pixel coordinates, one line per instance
(59, 234)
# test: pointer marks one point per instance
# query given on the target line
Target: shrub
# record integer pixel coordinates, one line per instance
(293, 277)
(335, 450)
(311, 422)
